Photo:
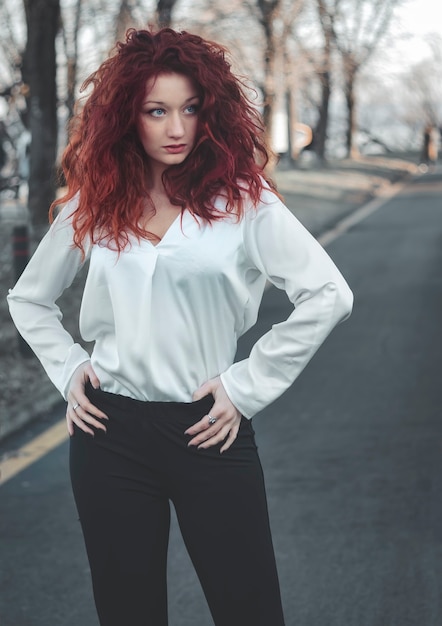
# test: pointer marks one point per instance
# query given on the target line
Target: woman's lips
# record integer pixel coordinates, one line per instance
(176, 148)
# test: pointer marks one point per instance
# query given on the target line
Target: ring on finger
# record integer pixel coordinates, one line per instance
(76, 405)
(212, 419)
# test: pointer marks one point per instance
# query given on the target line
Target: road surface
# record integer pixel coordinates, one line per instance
(352, 455)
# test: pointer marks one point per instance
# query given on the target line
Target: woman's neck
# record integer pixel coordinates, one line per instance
(156, 185)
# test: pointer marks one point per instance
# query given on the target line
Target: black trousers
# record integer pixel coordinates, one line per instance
(123, 481)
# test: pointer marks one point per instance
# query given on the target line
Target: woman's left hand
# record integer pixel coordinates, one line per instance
(226, 424)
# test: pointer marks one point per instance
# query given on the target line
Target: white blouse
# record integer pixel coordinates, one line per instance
(166, 318)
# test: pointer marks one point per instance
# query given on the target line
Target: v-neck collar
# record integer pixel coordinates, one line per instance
(171, 228)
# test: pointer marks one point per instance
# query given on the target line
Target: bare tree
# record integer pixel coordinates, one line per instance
(12, 44)
(130, 10)
(424, 82)
(316, 47)
(39, 73)
(268, 11)
(276, 18)
(125, 16)
(326, 15)
(287, 66)
(358, 27)
(70, 23)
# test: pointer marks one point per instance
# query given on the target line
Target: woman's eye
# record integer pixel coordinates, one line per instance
(156, 112)
(191, 109)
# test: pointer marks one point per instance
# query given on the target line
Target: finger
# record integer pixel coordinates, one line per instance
(202, 391)
(80, 398)
(210, 430)
(86, 416)
(90, 408)
(93, 378)
(70, 425)
(215, 439)
(198, 427)
(230, 439)
(85, 411)
(203, 436)
(72, 418)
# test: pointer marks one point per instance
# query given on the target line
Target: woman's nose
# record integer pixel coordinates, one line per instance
(175, 127)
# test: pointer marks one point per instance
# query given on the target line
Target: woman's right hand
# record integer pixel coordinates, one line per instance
(80, 411)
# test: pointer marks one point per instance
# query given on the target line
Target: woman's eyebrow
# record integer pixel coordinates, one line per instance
(164, 103)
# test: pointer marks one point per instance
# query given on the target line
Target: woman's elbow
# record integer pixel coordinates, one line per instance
(344, 301)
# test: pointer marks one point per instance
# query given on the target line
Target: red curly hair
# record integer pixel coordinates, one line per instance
(106, 162)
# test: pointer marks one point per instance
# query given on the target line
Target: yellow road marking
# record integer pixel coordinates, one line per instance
(18, 460)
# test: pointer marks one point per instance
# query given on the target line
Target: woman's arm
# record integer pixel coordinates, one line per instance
(32, 302)
(285, 252)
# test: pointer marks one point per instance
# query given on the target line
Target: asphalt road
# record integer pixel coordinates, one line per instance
(352, 456)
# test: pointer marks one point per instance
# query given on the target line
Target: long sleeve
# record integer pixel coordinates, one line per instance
(281, 249)
(32, 302)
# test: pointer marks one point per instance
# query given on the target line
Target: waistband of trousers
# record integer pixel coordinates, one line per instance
(150, 408)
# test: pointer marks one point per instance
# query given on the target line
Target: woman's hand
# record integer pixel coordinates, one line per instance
(223, 421)
(80, 410)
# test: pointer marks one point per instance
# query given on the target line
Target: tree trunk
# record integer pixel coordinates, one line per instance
(320, 132)
(269, 77)
(71, 76)
(71, 63)
(123, 19)
(268, 10)
(292, 150)
(42, 18)
(350, 99)
(164, 12)
(326, 19)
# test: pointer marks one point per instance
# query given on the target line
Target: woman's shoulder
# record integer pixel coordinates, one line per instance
(250, 203)
(270, 203)
(64, 212)
(63, 227)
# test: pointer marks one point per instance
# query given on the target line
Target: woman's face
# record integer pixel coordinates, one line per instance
(167, 123)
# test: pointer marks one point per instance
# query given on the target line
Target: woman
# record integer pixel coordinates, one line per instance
(168, 199)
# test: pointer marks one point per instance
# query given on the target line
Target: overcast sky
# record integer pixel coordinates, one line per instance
(419, 18)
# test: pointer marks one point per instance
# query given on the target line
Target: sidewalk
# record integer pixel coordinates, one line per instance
(321, 197)
(318, 197)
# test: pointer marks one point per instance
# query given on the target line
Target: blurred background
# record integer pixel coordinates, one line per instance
(333, 78)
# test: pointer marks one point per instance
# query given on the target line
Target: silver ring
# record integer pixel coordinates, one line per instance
(212, 419)
(75, 407)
